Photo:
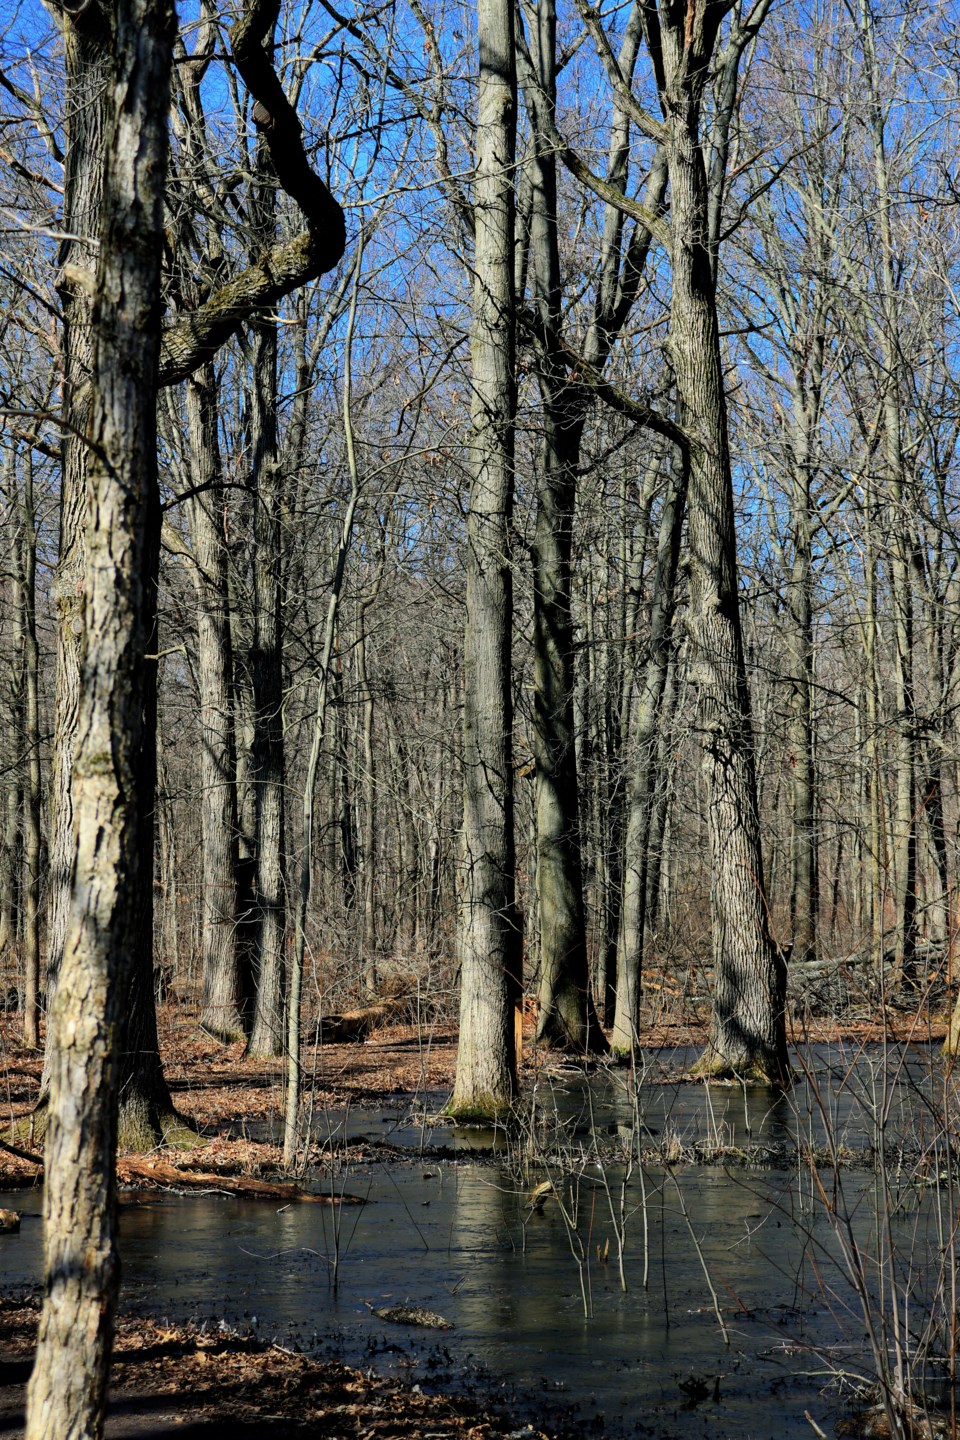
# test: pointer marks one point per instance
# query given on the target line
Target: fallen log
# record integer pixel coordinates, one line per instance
(22, 1154)
(352, 1026)
(159, 1172)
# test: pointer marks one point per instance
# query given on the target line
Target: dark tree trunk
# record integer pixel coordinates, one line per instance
(266, 668)
(31, 740)
(748, 1035)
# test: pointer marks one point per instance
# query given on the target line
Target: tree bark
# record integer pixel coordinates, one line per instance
(900, 523)
(266, 651)
(489, 939)
(567, 1014)
(747, 1034)
(31, 740)
(87, 80)
(266, 670)
(67, 1389)
(224, 999)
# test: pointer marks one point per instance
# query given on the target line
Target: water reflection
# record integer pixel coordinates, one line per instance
(461, 1239)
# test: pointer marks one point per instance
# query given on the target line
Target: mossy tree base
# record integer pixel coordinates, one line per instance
(142, 1126)
(757, 1068)
(482, 1110)
(224, 1031)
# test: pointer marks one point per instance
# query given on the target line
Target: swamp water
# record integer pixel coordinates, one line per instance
(459, 1237)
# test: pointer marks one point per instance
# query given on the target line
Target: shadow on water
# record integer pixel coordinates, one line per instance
(460, 1238)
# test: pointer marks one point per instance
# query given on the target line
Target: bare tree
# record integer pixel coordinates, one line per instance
(489, 939)
(748, 1033)
(67, 1389)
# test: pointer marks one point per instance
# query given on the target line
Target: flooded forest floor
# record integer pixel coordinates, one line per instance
(178, 1379)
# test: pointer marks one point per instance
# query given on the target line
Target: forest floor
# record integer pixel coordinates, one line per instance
(179, 1381)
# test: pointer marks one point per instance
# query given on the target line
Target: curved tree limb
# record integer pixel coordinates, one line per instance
(195, 338)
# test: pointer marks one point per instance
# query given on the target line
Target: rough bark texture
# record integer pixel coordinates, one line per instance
(804, 860)
(223, 999)
(87, 62)
(748, 1031)
(489, 934)
(903, 552)
(67, 1389)
(567, 1014)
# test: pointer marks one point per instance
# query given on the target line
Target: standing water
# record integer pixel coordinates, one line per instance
(738, 1314)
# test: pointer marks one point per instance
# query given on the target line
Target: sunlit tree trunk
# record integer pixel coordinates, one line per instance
(67, 1390)
(489, 941)
(87, 67)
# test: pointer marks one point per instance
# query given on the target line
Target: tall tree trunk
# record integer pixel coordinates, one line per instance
(567, 1015)
(31, 741)
(146, 1112)
(804, 856)
(67, 1391)
(900, 526)
(292, 1107)
(266, 669)
(747, 1034)
(87, 62)
(12, 725)
(489, 940)
(369, 797)
(643, 778)
(225, 993)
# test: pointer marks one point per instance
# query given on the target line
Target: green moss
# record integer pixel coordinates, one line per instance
(142, 1127)
(482, 1110)
(713, 1066)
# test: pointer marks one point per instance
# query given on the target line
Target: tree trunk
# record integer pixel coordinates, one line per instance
(804, 857)
(369, 801)
(266, 670)
(67, 1391)
(748, 1030)
(489, 940)
(12, 729)
(225, 993)
(567, 1015)
(31, 740)
(87, 61)
(900, 528)
(643, 779)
